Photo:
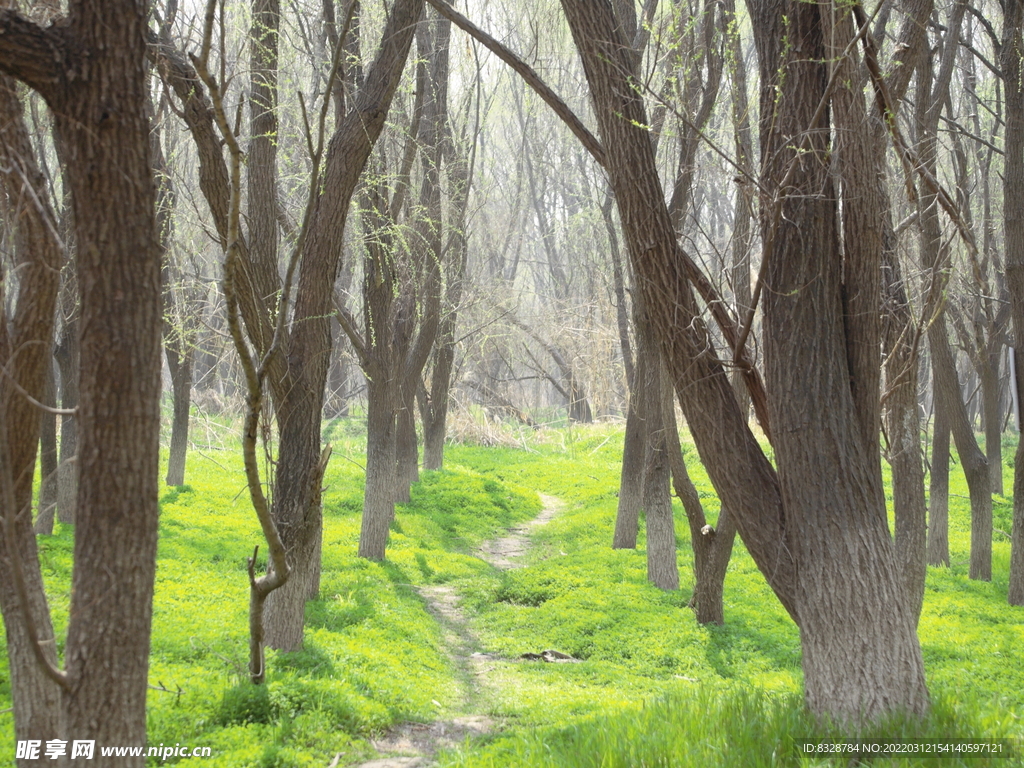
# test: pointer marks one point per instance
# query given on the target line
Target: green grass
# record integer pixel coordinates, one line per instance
(653, 688)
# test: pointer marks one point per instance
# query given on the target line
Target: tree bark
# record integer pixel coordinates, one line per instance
(938, 492)
(47, 458)
(91, 72)
(1012, 50)
(627, 516)
(25, 341)
(67, 353)
(379, 494)
(712, 548)
(862, 659)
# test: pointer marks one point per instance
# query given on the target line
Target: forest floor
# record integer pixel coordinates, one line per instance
(417, 659)
(414, 745)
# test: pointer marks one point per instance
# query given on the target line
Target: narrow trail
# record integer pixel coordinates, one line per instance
(413, 745)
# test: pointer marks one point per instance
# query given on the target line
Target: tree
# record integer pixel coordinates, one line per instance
(297, 376)
(91, 72)
(823, 545)
(1013, 212)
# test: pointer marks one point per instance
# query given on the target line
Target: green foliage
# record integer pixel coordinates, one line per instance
(652, 687)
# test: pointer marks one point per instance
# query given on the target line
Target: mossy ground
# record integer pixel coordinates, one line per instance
(654, 688)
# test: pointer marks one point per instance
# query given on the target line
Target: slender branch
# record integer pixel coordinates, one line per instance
(911, 163)
(590, 142)
(279, 571)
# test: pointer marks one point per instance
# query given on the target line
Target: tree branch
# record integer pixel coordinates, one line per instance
(34, 55)
(590, 142)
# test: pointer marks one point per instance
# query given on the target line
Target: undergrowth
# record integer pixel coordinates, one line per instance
(652, 688)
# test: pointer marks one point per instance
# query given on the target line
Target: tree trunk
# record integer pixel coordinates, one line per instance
(1013, 213)
(975, 466)
(379, 494)
(296, 511)
(627, 517)
(903, 429)
(25, 341)
(712, 548)
(47, 458)
(938, 492)
(933, 257)
(662, 569)
(68, 356)
(459, 170)
(181, 388)
(407, 451)
(91, 72)
(861, 657)
(993, 418)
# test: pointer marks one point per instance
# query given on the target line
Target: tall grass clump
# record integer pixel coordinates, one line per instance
(730, 727)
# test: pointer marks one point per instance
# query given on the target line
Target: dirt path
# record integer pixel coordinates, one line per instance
(413, 745)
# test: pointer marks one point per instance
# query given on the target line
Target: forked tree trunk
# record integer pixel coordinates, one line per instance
(862, 660)
(712, 547)
(861, 657)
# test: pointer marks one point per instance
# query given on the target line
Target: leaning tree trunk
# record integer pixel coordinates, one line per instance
(866, 664)
(973, 461)
(25, 342)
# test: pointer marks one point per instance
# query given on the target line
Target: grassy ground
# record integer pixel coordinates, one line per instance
(654, 688)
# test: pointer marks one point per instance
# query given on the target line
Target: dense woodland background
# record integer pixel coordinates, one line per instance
(777, 247)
